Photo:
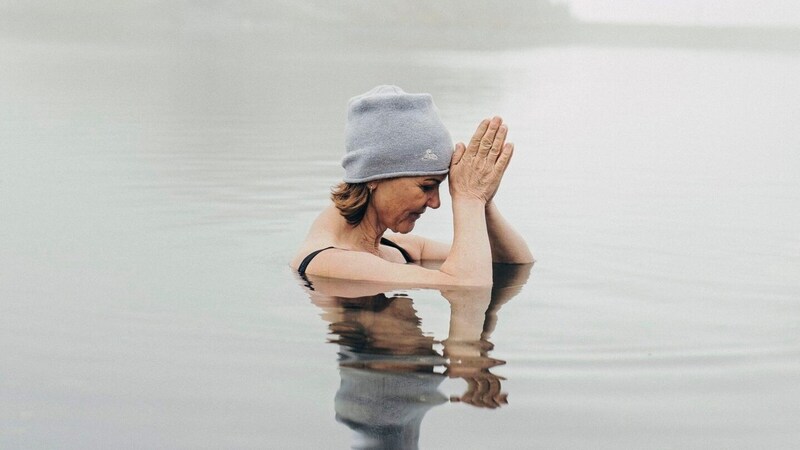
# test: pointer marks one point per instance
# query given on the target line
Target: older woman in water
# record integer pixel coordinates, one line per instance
(398, 152)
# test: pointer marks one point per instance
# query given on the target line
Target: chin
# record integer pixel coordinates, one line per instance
(404, 228)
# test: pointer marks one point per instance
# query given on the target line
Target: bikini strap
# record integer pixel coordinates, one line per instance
(307, 260)
(389, 243)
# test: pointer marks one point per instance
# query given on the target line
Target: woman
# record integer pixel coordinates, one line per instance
(398, 152)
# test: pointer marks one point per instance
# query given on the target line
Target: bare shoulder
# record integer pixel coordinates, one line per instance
(319, 237)
(307, 251)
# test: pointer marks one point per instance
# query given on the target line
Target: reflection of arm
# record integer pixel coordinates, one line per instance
(467, 315)
(467, 352)
(509, 280)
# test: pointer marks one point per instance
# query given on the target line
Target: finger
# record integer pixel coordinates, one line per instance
(482, 392)
(494, 386)
(499, 142)
(505, 156)
(471, 393)
(489, 393)
(476, 138)
(457, 154)
(494, 392)
(488, 136)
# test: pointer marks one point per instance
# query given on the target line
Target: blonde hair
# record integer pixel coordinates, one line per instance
(351, 199)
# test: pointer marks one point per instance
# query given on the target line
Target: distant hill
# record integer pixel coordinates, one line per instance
(451, 24)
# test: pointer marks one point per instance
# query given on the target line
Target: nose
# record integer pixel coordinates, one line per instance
(433, 199)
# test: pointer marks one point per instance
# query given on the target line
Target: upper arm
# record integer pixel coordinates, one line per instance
(361, 266)
(421, 248)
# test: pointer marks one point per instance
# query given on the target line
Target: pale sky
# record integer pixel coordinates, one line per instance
(708, 12)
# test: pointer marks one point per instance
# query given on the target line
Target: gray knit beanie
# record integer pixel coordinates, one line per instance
(391, 133)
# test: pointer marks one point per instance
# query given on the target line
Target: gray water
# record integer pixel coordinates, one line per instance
(152, 191)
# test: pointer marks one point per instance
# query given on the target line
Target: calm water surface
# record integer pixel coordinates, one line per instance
(152, 195)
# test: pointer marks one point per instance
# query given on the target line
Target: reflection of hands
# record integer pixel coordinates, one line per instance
(468, 360)
(467, 352)
(476, 170)
(483, 387)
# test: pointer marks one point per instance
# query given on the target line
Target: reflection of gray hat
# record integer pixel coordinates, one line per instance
(394, 134)
(386, 408)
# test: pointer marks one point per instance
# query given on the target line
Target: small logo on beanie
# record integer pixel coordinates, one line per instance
(429, 155)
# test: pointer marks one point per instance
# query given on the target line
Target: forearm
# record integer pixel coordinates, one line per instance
(507, 245)
(470, 255)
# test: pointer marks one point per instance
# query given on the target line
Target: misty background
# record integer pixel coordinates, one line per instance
(161, 161)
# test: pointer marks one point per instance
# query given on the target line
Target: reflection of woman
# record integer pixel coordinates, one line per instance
(386, 366)
(389, 369)
(397, 154)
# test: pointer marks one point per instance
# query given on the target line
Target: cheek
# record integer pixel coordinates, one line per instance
(391, 210)
(397, 204)
(395, 210)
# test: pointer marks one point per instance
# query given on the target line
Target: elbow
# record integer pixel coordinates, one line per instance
(480, 281)
(468, 275)
(473, 280)
(530, 258)
(518, 261)
(525, 258)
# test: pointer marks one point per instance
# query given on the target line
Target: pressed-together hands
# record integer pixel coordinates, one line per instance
(480, 233)
(477, 169)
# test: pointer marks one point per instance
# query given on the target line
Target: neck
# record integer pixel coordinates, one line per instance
(365, 236)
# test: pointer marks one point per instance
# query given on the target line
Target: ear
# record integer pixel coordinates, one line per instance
(371, 186)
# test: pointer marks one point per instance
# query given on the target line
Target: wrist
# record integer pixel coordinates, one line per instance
(465, 199)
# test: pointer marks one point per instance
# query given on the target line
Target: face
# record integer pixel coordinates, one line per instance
(399, 202)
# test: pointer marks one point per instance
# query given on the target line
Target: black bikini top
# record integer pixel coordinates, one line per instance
(307, 260)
